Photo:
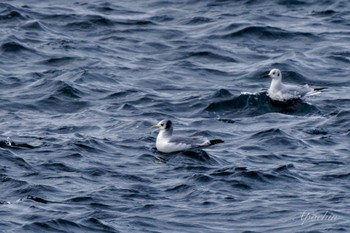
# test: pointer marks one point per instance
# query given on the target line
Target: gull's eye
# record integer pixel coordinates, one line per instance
(278, 74)
(273, 73)
(162, 125)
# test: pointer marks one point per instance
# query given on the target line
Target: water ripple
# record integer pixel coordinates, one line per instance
(82, 83)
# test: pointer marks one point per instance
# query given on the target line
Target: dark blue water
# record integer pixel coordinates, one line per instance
(81, 82)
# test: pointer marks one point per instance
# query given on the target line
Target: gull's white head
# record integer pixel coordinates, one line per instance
(166, 125)
(275, 74)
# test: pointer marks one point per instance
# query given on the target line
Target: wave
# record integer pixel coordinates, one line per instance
(56, 225)
(186, 157)
(48, 95)
(257, 104)
(212, 56)
(244, 178)
(33, 25)
(264, 33)
(10, 13)
(13, 47)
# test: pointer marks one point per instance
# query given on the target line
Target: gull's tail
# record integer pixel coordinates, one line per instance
(317, 89)
(210, 142)
(215, 141)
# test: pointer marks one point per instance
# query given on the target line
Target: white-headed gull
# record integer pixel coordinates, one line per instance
(166, 143)
(283, 92)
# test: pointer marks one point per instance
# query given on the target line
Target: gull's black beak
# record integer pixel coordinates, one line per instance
(266, 76)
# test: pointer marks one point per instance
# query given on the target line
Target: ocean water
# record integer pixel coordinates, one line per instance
(81, 82)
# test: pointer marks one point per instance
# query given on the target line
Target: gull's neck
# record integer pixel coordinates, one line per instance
(165, 134)
(276, 84)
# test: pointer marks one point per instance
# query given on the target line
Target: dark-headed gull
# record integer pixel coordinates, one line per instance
(283, 92)
(167, 143)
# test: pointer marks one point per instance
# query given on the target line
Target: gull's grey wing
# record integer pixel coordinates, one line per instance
(195, 142)
(296, 91)
(188, 141)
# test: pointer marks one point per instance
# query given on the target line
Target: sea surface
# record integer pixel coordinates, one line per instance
(82, 82)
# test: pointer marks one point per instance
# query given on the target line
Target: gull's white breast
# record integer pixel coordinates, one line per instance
(163, 145)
